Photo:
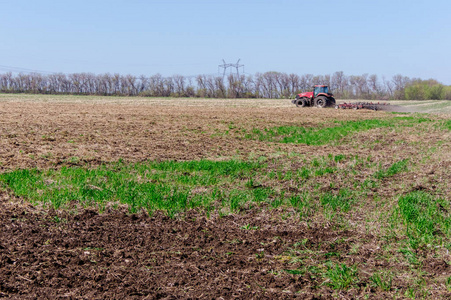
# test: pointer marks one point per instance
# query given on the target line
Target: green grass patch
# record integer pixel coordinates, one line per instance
(170, 186)
(395, 168)
(447, 124)
(340, 276)
(382, 280)
(341, 201)
(325, 135)
(426, 218)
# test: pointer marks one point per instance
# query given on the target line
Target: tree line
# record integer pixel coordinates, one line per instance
(274, 85)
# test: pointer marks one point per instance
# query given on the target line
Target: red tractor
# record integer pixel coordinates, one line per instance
(320, 97)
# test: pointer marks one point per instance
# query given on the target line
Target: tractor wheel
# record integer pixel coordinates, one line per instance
(321, 102)
(301, 103)
(331, 101)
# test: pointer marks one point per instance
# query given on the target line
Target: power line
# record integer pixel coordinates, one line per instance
(237, 66)
(23, 70)
(225, 66)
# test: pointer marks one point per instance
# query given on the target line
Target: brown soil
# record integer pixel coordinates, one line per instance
(63, 255)
(52, 134)
(81, 254)
(115, 255)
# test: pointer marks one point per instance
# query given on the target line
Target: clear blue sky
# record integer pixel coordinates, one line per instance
(191, 37)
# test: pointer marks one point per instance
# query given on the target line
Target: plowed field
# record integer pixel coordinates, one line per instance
(322, 218)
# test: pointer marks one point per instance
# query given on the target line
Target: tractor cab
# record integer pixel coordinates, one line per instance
(320, 89)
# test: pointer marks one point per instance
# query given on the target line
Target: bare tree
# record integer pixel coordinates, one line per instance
(399, 83)
(339, 84)
(262, 85)
(179, 85)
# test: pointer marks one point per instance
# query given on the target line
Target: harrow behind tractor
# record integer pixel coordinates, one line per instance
(321, 97)
(362, 105)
